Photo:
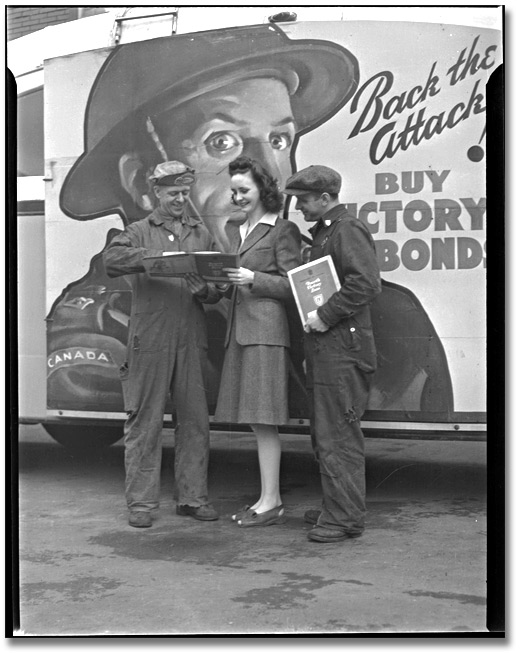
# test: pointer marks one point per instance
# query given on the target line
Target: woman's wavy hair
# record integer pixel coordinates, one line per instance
(270, 195)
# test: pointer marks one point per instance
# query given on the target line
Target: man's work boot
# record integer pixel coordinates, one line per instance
(311, 516)
(202, 513)
(322, 534)
(140, 519)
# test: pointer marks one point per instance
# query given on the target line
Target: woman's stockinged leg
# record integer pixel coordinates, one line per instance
(269, 455)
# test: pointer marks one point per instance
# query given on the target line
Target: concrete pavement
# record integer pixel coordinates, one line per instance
(420, 567)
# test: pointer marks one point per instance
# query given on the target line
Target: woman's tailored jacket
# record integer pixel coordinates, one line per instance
(347, 312)
(258, 308)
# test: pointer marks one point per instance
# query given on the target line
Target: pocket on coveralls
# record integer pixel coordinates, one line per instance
(128, 399)
(124, 371)
(148, 334)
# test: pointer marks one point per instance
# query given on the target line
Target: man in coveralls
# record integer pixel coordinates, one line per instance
(166, 352)
(340, 353)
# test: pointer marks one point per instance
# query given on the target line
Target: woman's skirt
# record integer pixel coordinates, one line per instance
(254, 385)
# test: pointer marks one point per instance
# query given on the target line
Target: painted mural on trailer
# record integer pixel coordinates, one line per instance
(403, 122)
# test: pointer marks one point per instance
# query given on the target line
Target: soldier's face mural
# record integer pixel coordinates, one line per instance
(252, 117)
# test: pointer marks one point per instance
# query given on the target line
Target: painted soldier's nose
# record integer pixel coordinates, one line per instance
(263, 152)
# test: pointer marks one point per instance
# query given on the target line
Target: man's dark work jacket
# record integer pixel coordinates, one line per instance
(350, 244)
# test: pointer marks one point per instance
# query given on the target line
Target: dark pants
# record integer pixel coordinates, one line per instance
(151, 375)
(338, 391)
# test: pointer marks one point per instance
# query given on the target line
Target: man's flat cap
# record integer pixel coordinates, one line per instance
(172, 173)
(314, 179)
(140, 79)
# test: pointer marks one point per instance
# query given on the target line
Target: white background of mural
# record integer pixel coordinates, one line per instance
(454, 299)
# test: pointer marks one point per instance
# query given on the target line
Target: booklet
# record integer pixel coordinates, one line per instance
(176, 264)
(312, 285)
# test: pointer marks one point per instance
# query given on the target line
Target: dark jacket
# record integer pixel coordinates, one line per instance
(350, 244)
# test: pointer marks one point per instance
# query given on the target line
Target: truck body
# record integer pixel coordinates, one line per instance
(396, 102)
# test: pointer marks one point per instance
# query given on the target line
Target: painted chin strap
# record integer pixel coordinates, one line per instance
(157, 142)
(155, 137)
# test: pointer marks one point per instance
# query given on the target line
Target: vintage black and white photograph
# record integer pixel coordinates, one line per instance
(251, 320)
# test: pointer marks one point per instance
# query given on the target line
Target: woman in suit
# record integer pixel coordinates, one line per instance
(254, 383)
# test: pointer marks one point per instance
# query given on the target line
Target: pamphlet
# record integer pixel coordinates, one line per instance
(208, 265)
(312, 285)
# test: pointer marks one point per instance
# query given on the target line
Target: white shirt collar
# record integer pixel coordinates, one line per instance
(267, 218)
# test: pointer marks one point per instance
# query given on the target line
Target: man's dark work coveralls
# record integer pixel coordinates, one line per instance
(167, 346)
(340, 363)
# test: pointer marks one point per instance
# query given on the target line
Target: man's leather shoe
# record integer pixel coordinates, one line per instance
(202, 513)
(140, 519)
(311, 516)
(322, 534)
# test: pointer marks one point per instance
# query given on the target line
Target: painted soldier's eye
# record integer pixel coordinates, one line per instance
(222, 143)
(280, 141)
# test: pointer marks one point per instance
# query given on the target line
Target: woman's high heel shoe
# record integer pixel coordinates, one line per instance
(240, 513)
(252, 518)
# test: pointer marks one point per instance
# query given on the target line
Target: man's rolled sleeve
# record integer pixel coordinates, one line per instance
(124, 254)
